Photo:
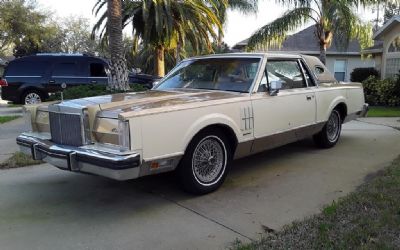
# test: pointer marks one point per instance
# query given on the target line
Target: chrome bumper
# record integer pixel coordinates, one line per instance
(101, 161)
(365, 109)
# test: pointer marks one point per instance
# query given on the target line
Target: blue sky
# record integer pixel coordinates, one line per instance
(239, 26)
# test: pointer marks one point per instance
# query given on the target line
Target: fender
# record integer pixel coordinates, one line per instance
(208, 120)
(334, 103)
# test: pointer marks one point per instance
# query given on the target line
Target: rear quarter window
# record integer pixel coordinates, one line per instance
(26, 68)
(97, 70)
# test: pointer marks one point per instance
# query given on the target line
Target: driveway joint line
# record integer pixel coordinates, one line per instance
(201, 215)
(385, 125)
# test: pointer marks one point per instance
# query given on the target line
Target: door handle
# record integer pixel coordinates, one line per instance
(93, 81)
(309, 97)
(52, 81)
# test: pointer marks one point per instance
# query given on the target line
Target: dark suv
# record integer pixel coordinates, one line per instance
(30, 79)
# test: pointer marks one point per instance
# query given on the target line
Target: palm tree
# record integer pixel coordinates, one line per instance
(118, 78)
(244, 6)
(331, 18)
(165, 24)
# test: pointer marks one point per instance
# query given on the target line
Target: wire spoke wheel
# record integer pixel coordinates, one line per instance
(333, 127)
(209, 160)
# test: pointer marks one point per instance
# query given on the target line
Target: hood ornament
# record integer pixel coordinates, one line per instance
(63, 86)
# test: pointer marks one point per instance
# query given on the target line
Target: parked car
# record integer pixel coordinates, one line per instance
(206, 112)
(31, 79)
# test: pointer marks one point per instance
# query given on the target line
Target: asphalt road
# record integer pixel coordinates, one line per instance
(42, 207)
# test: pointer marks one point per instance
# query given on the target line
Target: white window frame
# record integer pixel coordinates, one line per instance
(345, 68)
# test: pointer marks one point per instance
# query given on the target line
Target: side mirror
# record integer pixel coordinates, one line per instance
(274, 87)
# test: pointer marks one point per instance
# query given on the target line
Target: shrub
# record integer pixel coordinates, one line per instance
(361, 74)
(90, 90)
(382, 92)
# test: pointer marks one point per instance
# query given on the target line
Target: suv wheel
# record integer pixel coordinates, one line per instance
(205, 164)
(32, 97)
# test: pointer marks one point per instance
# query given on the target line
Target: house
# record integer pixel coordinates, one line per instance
(386, 50)
(340, 61)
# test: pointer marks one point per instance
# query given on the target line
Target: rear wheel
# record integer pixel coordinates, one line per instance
(205, 164)
(32, 97)
(330, 133)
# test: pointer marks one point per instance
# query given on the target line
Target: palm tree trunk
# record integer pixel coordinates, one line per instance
(322, 44)
(322, 53)
(178, 52)
(159, 61)
(118, 79)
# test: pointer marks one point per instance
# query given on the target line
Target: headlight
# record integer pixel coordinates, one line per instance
(42, 123)
(112, 131)
(27, 118)
(124, 135)
(42, 117)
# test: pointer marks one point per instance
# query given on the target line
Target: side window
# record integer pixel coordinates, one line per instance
(307, 74)
(97, 70)
(65, 69)
(319, 70)
(26, 68)
(287, 72)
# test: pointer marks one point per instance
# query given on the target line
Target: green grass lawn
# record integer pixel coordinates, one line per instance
(4, 119)
(368, 218)
(384, 112)
(13, 105)
(18, 160)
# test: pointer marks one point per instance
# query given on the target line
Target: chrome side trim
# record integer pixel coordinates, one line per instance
(24, 76)
(84, 77)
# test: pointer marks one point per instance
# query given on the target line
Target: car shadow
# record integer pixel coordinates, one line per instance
(66, 193)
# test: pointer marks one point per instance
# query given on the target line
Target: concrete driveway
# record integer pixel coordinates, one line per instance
(45, 208)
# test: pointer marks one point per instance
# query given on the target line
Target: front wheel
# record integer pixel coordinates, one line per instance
(330, 133)
(31, 97)
(205, 164)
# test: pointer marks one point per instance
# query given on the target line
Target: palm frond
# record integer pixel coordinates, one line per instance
(346, 25)
(295, 3)
(274, 33)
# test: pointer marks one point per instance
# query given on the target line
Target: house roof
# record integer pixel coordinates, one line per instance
(376, 49)
(305, 42)
(387, 26)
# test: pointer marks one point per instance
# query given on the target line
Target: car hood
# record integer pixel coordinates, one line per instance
(136, 103)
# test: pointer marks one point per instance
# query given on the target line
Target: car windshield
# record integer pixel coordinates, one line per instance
(227, 74)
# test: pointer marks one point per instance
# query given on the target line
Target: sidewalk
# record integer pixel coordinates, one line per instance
(8, 132)
(393, 122)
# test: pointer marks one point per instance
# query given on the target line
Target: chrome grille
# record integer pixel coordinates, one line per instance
(66, 129)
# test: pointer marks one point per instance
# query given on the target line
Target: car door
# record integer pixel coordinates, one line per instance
(282, 117)
(69, 72)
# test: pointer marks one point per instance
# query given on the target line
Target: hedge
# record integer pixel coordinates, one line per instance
(91, 90)
(362, 74)
(382, 92)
